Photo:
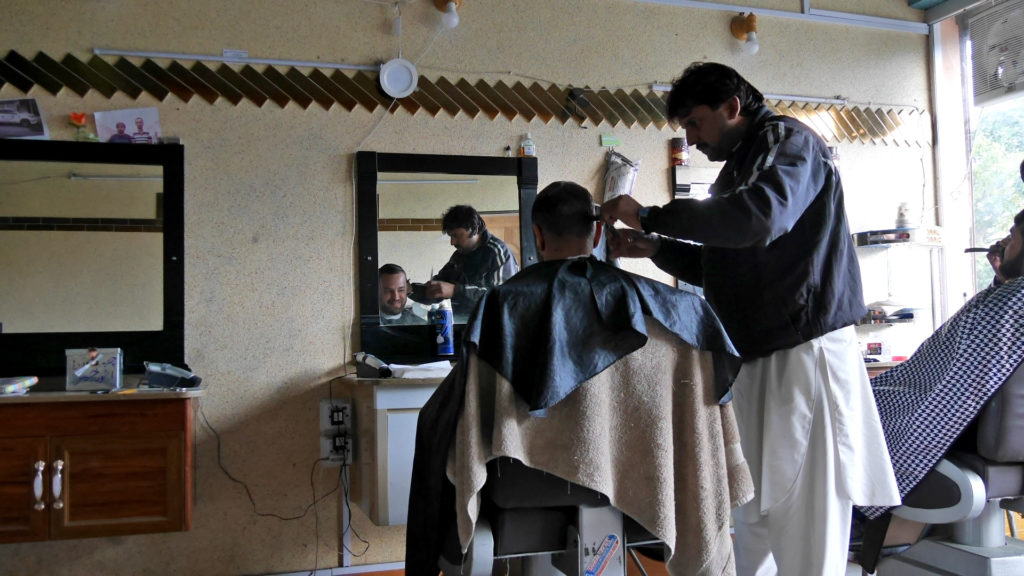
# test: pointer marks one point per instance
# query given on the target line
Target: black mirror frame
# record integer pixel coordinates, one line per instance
(410, 344)
(43, 354)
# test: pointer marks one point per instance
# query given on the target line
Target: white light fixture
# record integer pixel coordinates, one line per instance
(744, 27)
(398, 78)
(450, 18)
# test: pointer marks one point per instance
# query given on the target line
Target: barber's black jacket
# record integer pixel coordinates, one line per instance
(775, 259)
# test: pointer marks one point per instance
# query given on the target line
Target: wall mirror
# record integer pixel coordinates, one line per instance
(91, 248)
(401, 198)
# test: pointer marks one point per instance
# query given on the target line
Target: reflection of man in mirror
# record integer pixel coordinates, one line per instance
(480, 262)
(121, 136)
(394, 296)
(140, 136)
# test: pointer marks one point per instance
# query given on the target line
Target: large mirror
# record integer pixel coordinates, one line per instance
(401, 201)
(91, 248)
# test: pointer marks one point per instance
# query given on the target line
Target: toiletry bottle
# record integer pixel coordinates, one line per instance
(526, 147)
(443, 322)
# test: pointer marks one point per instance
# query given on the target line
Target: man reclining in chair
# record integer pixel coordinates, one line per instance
(927, 402)
(603, 378)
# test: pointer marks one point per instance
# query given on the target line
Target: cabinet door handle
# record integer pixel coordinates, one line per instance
(37, 485)
(58, 484)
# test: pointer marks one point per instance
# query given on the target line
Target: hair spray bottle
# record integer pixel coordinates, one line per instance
(442, 321)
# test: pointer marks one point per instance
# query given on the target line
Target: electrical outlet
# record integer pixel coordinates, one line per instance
(336, 428)
(336, 450)
(343, 448)
(335, 416)
(339, 415)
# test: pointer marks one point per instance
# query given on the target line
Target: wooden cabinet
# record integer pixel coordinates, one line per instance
(98, 468)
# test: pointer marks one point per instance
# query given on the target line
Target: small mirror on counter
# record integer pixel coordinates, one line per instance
(94, 369)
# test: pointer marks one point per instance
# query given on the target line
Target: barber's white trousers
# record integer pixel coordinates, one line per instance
(812, 438)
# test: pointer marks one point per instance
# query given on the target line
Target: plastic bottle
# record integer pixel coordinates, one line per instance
(526, 147)
(442, 323)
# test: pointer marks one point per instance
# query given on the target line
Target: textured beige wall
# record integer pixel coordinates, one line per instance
(270, 285)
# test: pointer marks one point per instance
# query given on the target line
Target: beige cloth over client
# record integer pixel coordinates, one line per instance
(648, 432)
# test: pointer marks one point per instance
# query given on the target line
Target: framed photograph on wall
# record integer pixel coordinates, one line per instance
(130, 126)
(21, 118)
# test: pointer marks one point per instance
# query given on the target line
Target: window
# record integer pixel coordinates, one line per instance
(997, 149)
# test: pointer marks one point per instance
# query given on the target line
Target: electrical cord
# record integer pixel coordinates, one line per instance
(348, 525)
(344, 480)
(248, 492)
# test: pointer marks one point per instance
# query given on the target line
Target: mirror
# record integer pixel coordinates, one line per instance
(401, 198)
(409, 209)
(91, 248)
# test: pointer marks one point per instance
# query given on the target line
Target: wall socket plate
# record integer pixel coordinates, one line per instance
(336, 431)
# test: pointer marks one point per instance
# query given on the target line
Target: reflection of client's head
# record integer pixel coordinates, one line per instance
(564, 224)
(394, 289)
(120, 127)
(463, 225)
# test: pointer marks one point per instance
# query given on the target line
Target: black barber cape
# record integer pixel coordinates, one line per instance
(547, 330)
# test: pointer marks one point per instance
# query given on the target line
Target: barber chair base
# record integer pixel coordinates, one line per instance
(940, 557)
(594, 546)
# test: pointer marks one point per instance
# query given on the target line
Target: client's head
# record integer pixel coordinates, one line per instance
(1012, 265)
(564, 221)
(394, 289)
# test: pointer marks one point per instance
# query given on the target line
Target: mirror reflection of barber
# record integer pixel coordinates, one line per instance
(481, 261)
(394, 297)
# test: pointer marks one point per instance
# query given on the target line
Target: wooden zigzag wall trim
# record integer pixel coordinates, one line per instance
(890, 126)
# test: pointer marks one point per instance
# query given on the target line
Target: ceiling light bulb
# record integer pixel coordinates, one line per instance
(751, 46)
(450, 18)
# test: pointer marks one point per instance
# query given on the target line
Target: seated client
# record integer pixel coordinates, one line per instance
(597, 376)
(926, 402)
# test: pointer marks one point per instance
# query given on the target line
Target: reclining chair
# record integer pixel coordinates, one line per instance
(639, 455)
(964, 498)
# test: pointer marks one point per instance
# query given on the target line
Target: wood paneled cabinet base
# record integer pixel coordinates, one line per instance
(88, 469)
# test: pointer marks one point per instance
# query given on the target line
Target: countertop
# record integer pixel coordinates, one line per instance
(33, 397)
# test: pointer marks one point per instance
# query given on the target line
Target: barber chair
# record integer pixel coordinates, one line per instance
(965, 499)
(548, 526)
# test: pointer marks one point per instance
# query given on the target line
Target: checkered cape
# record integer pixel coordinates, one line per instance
(926, 402)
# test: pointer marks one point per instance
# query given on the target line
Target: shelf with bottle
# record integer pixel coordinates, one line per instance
(921, 235)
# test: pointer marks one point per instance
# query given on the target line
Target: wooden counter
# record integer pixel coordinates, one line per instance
(80, 464)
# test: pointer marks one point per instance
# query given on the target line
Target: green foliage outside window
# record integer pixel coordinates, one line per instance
(997, 151)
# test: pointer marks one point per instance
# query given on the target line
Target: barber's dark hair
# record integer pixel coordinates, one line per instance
(564, 209)
(1018, 220)
(462, 216)
(711, 84)
(1022, 170)
(389, 269)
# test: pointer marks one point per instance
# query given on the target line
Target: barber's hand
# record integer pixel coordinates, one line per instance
(622, 209)
(626, 243)
(438, 289)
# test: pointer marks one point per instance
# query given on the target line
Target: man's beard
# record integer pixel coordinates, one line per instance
(1011, 269)
(726, 144)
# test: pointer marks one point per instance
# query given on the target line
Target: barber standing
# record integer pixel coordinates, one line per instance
(772, 250)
